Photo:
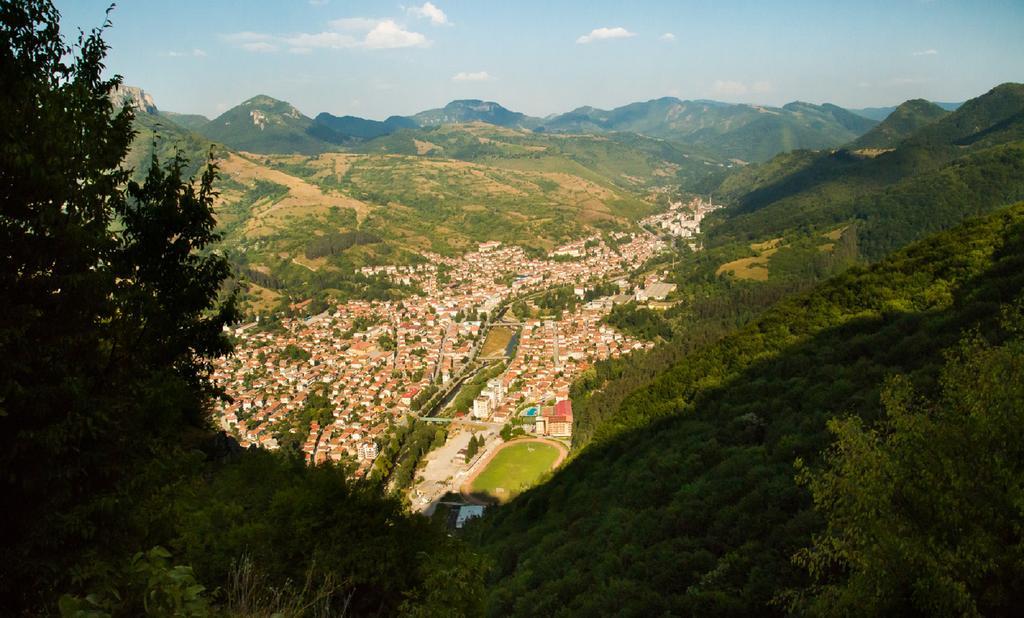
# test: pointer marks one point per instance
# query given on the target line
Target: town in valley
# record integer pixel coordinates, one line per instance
(336, 385)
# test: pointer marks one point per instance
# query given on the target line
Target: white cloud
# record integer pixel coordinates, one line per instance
(195, 53)
(430, 11)
(927, 52)
(348, 33)
(668, 36)
(251, 41)
(601, 34)
(321, 40)
(259, 47)
(478, 76)
(761, 87)
(389, 35)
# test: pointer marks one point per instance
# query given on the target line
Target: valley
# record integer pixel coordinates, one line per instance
(468, 313)
(390, 347)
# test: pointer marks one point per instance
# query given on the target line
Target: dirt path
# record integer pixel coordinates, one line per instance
(480, 466)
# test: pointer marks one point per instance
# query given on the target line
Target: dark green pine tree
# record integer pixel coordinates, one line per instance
(109, 312)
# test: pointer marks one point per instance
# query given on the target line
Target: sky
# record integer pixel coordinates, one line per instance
(378, 58)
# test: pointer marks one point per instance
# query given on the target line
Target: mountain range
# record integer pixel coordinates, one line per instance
(743, 132)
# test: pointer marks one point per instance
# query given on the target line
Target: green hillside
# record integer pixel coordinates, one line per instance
(959, 165)
(474, 110)
(687, 503)
(265, 125)
(686, 475)
(355, 128)
(903, 122)
(625, 159)
(746, 132)
(158, 134)
(192, 122)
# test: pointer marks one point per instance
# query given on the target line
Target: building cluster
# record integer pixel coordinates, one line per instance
(371, 360)
(682, 219)
(549, 356)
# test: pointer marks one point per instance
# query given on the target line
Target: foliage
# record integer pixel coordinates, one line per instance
(295, 522)
(110, 312)
(110, 318)
(640, 322)
(473, 387)
(472, 448)
(401, 454)
(918, 520)
(294, 352)
(338, 242)
(153, 587)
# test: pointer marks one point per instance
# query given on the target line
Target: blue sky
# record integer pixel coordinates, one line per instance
(374, 59)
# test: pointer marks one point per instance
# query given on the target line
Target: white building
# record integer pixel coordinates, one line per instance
(481, 406)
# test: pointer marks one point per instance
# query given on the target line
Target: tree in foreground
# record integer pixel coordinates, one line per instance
(110, 313)
(924, 514)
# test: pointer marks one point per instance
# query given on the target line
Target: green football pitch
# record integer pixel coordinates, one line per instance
(515, 468)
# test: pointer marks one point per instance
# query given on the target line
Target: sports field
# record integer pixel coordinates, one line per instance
(514, 468)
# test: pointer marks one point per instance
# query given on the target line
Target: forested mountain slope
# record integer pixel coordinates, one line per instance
(265, 125)
(903, 122)
(959, 165)
(747, 132)
(686, 503)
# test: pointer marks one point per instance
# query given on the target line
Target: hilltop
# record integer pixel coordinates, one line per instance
(474, 110)
(347, 128)
(930, 180)
(904, 121)
(160, 133)
(263, 124)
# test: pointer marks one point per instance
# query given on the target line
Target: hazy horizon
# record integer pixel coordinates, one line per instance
(376, 60)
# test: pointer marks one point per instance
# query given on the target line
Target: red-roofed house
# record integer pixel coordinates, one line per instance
(555, 421)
